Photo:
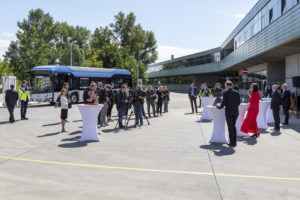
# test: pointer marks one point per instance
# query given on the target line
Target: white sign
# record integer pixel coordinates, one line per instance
(140, 81)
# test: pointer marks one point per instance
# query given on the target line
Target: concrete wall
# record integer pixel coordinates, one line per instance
(292, 68)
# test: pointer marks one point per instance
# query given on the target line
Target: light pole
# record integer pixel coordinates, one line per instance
(137, 73)
(71, 59)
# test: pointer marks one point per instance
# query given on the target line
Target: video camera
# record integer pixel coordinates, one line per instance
(138, 96)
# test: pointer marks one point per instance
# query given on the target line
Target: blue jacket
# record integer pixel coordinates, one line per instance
(196, 91)
(286, 99)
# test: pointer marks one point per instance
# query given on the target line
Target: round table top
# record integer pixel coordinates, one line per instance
(90, 105)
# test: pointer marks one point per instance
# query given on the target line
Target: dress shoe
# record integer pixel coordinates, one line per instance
(232, 145)
(25, 118)
(285, 123)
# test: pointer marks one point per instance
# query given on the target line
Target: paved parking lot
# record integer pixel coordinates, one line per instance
(170, 159)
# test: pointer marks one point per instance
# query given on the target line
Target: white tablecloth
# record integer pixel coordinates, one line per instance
(262, 115)
(89, 114)
(206, 101)
(270, 118)
(218, 135)
(242, 109)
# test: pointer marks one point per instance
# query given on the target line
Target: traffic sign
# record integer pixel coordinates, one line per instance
(245, 71)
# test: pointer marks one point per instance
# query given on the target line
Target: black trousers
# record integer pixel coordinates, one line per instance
(24, 105)
(199, 101)
(193, 101)
(276, 118)
(110, 107)
(231, 119)
(286, 114)
(151, 103)
(11, 113)
(159, 106)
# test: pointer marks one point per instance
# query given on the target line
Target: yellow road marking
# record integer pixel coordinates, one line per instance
(147, 170)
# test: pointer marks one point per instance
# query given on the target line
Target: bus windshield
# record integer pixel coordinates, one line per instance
(41, 84)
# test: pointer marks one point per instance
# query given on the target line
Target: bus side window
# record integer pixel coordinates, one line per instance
(83, 83)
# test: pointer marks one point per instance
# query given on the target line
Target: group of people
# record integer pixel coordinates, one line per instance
(125, 98)
(204, 91)
(231, 101)
(12, 96)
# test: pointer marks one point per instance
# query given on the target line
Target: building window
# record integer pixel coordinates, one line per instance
(283, 4)
(270, 15)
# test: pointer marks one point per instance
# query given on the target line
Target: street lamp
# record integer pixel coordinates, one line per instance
(71, 59)
(71, 51)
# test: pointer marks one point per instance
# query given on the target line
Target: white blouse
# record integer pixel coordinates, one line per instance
(64, 102)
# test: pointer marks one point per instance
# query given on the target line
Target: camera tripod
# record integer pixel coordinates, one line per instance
(132, 111)
(127, 118)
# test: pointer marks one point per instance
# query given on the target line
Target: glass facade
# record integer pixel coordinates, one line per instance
(259, 77)
(200, 60)
(172, 80)
(272, 11)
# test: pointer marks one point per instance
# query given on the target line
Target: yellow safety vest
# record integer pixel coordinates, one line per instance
(23, 94)
(200, 93)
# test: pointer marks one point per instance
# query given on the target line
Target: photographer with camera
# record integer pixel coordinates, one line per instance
(138, 100)
(121, 101)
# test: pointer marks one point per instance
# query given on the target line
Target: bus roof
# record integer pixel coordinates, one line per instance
(82, 71)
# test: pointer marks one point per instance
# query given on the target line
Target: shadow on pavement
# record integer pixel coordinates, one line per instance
(75, 132)
(204, 121)
(77, 120)
(276, 133)
(247, 140)
(53, 124)
(71, 139)
(263, 131)
(110, 130)
(293, 126)
(76, 144)
(49, 134)
(7, 122)
(219, 149)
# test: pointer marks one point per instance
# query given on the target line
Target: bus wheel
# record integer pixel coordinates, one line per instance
(74, 98)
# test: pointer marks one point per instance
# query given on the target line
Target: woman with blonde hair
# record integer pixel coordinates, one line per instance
(64, 102)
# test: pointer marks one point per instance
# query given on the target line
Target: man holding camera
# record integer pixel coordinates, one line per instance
(138, 101)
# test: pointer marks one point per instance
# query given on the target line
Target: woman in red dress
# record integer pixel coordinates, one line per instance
(250, 125)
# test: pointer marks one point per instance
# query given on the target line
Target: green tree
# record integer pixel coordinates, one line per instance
(5, 69)
(141, 43)
(34, 44)
(77, 55)
(125, 44)
(93, 62)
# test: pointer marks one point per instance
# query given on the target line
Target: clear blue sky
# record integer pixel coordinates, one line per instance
(180, 26)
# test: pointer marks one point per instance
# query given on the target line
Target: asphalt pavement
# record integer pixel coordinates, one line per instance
(168, 159)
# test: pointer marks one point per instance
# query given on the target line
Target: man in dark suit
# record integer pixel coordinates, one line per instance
(275, 106)
(231, 101)
(193, 93)
(11, 98)
(286, 102)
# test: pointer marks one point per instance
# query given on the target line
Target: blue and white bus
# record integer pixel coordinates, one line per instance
(47, 81)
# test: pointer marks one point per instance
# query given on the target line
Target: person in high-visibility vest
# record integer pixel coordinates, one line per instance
(24, 97)
(205, 92)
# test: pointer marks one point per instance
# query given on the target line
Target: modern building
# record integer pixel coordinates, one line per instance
(266, 42)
